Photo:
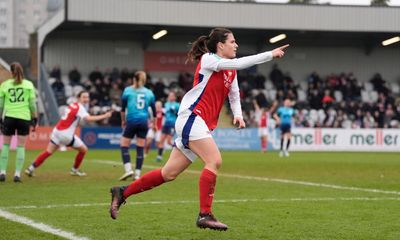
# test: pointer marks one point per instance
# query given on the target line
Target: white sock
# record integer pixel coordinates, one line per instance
(128, 167)
(137, 172)
(31, 168)
(3, 172)
(17, 174)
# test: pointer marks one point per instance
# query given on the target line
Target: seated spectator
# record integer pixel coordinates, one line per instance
(74, 77)
(327, 99)
(96, 74)
(368, 120)
(56, 72)
(59, 91)
(115, 94)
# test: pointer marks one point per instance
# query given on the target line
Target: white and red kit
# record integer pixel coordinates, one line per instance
(262, 119)
(64, 132)
(159, 122)
(214, 80)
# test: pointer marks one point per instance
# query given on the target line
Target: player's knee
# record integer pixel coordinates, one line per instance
(169, 176)
(218, 163)
(215, 164)
(83, 149)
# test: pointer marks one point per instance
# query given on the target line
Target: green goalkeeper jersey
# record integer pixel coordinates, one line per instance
(19, 100)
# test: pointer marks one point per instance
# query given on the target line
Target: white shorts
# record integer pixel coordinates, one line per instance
(156, 136)
(263, 132)
(189, 127)
(62, 138)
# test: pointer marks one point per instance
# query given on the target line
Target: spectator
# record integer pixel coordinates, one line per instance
(368, 120)
(74, 77)
(115, 94)
(185, 81)
(159, 90)
(59, 92)
(56, 72)
(96, 74)
(276, 77)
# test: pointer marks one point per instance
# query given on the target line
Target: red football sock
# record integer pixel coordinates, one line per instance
(78, 159)
(207, 187)
(41, 158)
(263, 144)
(146, 182)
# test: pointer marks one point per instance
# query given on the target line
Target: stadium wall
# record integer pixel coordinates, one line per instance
(86, 54)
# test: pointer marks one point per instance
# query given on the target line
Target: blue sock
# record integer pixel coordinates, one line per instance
(160, 151)
(139, 157)
(125, 155)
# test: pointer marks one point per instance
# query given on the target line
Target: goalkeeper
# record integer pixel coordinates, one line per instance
(18, 106)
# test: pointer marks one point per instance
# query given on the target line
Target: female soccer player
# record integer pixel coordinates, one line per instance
(263, 116)
(151, 134)
(171, 108)
(18, 103)
(64, 134)
(283, 117)
(136, 100)
(214, 80)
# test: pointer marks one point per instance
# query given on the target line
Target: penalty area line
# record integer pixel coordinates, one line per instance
(40, 226)
(279, 180)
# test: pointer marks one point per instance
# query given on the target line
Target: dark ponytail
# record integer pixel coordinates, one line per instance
(17, 72)
(205, 44)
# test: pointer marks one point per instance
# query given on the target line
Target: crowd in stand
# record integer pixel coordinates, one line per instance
(334, 101)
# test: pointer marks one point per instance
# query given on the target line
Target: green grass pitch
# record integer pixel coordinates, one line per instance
(259, 196)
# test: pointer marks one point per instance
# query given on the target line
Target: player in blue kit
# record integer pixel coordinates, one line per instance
(136, 100)
(283, 117)
(171, 109)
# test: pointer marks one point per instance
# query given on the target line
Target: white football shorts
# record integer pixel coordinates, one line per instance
(263, 132)
(189, 127)
(63, 138)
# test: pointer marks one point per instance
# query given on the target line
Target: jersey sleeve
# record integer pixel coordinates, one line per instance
(210, 61)
(234, 99)
(82, 113)
(124, 101)
(2, 90)
(32, 99)
(2, 96)
(152, 104)
(215, 63)
(279, 112)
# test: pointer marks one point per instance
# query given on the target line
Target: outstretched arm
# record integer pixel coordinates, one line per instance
(91, 118)
(245, 62)
(256, 106)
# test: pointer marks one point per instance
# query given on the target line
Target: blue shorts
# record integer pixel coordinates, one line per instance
(285, 128)
(168, 129)
(135, 129)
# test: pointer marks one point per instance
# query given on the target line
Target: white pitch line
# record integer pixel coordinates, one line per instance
(40, 226)
(322, 199)
(288, 181)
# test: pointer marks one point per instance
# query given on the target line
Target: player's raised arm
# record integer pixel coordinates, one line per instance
(245, 62)
(91, 118)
